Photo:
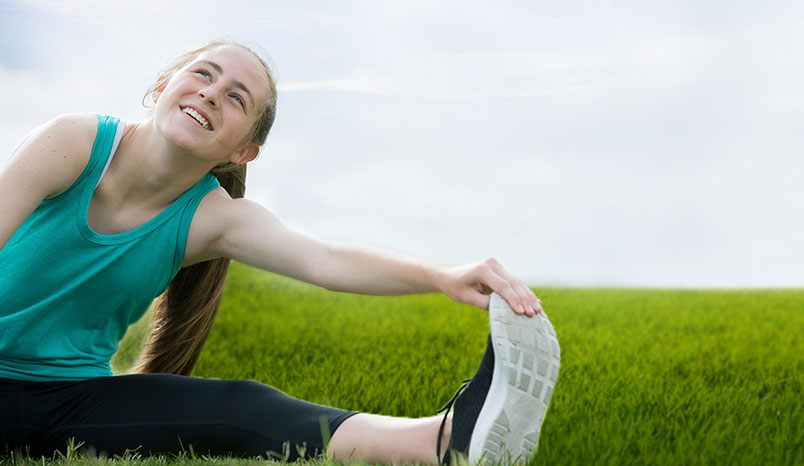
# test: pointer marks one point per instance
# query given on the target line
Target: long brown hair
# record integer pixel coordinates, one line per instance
(183, 315)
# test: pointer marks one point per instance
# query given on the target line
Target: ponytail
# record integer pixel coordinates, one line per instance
(183, 315)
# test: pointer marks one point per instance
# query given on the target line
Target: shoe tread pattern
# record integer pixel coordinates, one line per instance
(529, 350)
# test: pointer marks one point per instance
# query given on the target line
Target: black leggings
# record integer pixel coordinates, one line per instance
(162, 413)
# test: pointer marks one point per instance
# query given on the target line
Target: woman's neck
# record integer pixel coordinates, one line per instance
(150, 171)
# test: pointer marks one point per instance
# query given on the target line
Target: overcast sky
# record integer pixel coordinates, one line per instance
(612, 143)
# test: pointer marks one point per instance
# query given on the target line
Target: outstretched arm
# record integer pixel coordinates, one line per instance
(249, 233)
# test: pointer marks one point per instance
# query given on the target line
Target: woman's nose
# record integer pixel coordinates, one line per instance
(208, 95)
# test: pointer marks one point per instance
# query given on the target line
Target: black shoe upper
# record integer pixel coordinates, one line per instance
(467, 403)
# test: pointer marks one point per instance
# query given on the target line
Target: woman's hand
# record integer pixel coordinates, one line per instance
(473, 283)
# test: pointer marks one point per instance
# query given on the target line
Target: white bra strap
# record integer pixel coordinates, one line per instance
(118, 135)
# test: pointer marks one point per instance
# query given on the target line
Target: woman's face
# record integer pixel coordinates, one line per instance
(210, 105)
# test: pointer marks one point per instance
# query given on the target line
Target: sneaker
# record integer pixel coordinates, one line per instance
(499, 412)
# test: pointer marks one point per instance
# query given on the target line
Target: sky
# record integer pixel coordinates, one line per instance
(581, 143)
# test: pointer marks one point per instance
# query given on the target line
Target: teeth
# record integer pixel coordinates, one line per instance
(197, 116)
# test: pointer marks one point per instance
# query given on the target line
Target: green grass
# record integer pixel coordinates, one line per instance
(654, 377)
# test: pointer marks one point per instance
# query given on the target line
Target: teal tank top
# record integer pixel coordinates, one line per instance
(68, 293)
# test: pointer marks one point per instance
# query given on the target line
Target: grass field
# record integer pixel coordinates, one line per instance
(648, 377)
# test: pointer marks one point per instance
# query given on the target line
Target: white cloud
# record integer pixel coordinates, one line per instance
(478, 75)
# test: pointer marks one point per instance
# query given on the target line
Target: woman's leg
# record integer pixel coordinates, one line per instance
(374, 438)
(163, 413)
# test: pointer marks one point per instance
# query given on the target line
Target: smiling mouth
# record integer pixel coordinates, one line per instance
(197, 117)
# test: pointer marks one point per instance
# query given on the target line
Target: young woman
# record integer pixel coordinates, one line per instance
(99, 217)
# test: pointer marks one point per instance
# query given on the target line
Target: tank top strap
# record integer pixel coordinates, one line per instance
(101, 150)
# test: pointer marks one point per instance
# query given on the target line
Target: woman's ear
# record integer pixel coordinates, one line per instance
(245, 154)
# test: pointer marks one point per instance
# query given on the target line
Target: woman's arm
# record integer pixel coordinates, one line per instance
(249, 233)
(45, 164)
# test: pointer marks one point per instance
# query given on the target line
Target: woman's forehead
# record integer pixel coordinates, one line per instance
(233, 56)
(236, 62)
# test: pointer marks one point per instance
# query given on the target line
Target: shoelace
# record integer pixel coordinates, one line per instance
(446, 409)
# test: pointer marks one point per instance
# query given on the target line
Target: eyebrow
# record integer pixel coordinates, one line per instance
(236, 83)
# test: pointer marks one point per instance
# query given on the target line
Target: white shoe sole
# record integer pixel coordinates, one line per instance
(526, 361)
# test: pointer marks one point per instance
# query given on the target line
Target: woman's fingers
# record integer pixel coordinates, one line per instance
(529, 300)
(473, 283)
(521, 298)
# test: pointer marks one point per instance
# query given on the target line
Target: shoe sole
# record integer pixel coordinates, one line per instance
(526, 362)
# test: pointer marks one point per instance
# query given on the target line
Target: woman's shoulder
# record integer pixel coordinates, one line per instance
(67, 132)
(56, 152)
(78, 128)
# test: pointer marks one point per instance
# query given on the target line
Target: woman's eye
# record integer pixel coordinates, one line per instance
(239, 100)
(204, 73)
